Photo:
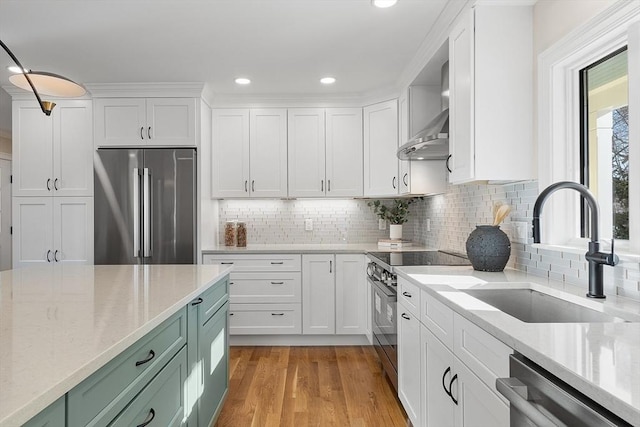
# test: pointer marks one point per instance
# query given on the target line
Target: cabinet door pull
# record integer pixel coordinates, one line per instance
(232, 283)
(444, 384)
(246, 189)
(406, 294)
(328, 185)
(404, 179)
(152, 354)
(404, 316)
(447, 163)
(149, 132)
(150, 417)
(277, 283)
(230, 314)
(277, 314)
(55, 184)
(55, 256)
(141, 130)
(197, 301)
(48, 253)
(394, 182)
(253, 186)
(330, 266)
(322, 185)
(277, 262)
(226, 263)
(455, 377)
(49, 184)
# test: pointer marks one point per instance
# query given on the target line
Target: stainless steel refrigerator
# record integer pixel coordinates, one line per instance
(145, 206)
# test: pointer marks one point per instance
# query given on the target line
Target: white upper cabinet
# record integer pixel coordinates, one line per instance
(380, 146)
(325, 152)
(145, 121)
(52, 155)
(268, 153)
(230, 153)
(344, 152)
(491, 87)
(306, 131)
(249, 153)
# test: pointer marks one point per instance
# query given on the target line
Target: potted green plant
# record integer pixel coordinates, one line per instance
(397, 214)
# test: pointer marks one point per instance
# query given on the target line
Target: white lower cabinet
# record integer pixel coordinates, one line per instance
(265, 293)
(52, 230)
(450, 382)
(409, 364)
(351, 295)
(318, 294)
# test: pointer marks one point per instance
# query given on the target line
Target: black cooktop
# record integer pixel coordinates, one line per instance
(419, 258)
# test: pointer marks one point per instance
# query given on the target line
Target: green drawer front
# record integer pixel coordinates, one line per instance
(99, 398)
(161, 403)
(53, 416)
(213, 298)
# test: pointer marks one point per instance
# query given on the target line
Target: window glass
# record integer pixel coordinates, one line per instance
(605, 142)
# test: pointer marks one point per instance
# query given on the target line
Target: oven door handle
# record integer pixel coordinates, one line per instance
(383, 289)
(516, 392)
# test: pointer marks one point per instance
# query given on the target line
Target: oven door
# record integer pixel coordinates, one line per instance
(384, 325)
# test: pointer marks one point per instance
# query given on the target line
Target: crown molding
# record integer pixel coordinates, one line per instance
(145, 90)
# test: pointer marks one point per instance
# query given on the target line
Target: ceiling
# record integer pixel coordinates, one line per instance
(283, 46)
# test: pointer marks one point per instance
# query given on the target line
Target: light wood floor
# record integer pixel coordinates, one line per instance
(309, 386)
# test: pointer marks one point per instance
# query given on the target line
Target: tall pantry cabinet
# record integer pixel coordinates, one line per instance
(52, 183)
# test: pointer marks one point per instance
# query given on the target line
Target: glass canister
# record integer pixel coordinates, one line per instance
(230, 233)
(242, 235)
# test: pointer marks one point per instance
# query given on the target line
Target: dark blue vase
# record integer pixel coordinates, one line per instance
(488, 248)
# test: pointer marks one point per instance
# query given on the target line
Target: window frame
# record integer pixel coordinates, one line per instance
(559, 122)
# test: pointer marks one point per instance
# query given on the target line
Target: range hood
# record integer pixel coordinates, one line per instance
(432, 142)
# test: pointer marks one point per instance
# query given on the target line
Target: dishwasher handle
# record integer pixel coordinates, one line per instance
(517, 394)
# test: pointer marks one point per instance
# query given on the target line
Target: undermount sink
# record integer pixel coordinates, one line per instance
(532, 306)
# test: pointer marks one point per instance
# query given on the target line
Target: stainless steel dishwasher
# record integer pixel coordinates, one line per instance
(537, 398)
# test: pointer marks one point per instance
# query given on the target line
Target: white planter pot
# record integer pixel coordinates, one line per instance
(395, 231)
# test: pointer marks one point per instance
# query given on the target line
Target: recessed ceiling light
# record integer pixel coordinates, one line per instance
(242, 81)
(16, 70)
(383, 3)
(327, 80)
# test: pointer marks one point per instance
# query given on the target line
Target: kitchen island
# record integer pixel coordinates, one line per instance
(60, 324)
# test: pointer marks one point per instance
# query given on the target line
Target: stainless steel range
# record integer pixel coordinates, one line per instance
(383, 281)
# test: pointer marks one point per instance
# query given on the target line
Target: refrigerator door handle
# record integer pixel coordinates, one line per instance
(146, 213)
(136, 212)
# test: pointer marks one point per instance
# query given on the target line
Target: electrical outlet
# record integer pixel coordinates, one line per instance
(520, 231)
(308, 225)
(382, 224)
(428, 224)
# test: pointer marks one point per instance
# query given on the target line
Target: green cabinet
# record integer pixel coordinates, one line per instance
(208, 353)
(53, 416)
(162, 402)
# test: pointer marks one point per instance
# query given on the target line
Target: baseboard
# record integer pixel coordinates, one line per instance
(297, 340)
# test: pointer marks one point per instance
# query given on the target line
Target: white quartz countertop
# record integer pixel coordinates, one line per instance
(602, 360)
(59, 324)
(309, 248)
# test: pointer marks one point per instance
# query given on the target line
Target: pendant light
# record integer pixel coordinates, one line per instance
(47, 83)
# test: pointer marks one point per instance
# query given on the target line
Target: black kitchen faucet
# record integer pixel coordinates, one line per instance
(595, 258)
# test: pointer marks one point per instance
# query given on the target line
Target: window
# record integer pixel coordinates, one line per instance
(584, 123)
(604, 142)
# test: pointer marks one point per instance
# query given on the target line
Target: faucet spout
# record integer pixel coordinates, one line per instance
(595, 258)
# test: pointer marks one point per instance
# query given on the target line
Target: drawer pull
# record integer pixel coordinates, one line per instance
(277, 314)
(277, 283)
(406, 294)
(150, 417)
(197, 301)
(152, 354)
(404, 316)
(230, 314)
(229, 263)
(232, 283)
(277, 262)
